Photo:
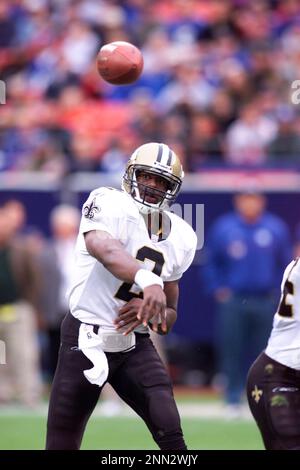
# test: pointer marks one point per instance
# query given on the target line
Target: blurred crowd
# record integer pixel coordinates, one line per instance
(216, 86)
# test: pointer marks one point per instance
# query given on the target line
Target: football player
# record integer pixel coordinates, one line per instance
(131, 252)
(273, 386)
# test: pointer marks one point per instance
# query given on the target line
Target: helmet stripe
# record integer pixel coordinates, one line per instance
(160, 152)
(165, 154)
(169, 158)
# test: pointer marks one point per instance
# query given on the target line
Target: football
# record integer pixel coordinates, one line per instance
(120, 63)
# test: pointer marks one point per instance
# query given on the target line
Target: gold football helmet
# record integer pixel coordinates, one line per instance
(156, 159)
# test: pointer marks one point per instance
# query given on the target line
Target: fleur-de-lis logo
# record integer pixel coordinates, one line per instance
(256, 394)
(90, 210)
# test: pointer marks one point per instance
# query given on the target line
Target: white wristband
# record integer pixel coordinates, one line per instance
(145, 278)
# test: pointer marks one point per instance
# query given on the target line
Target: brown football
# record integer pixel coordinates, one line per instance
(120, 63)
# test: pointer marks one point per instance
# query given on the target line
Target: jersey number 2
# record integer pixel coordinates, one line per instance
(285, 309)
(124, 292)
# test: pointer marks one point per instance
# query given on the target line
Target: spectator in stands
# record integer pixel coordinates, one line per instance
(247, 250)
(19, 309)
(205, 146)
(56, 261)
(188, 86)
(248, 137)
(222, 109)
(285, 147)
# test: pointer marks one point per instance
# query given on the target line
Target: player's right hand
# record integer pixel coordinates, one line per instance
(154, 303)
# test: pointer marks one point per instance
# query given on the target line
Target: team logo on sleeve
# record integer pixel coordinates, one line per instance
(256, 394)
(90, 210)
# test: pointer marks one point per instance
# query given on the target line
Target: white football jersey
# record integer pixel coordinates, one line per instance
(284, 342)
(96, 295)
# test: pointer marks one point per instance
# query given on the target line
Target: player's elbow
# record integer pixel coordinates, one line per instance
(103, 249)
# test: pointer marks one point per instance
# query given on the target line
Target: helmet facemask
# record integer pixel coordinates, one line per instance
(140, 191)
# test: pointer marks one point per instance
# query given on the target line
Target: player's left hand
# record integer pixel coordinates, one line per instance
(127, 317)
(158, 323)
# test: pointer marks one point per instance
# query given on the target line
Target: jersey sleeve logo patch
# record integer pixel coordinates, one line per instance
(90, 210)
(256, 394)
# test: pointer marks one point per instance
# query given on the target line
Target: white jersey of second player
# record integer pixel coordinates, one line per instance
(96, 295)
(284, 342)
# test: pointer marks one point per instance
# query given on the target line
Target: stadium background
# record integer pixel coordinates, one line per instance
(217, 87)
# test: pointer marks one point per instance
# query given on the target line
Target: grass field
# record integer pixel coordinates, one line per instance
(130, 433)
(25, 430)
